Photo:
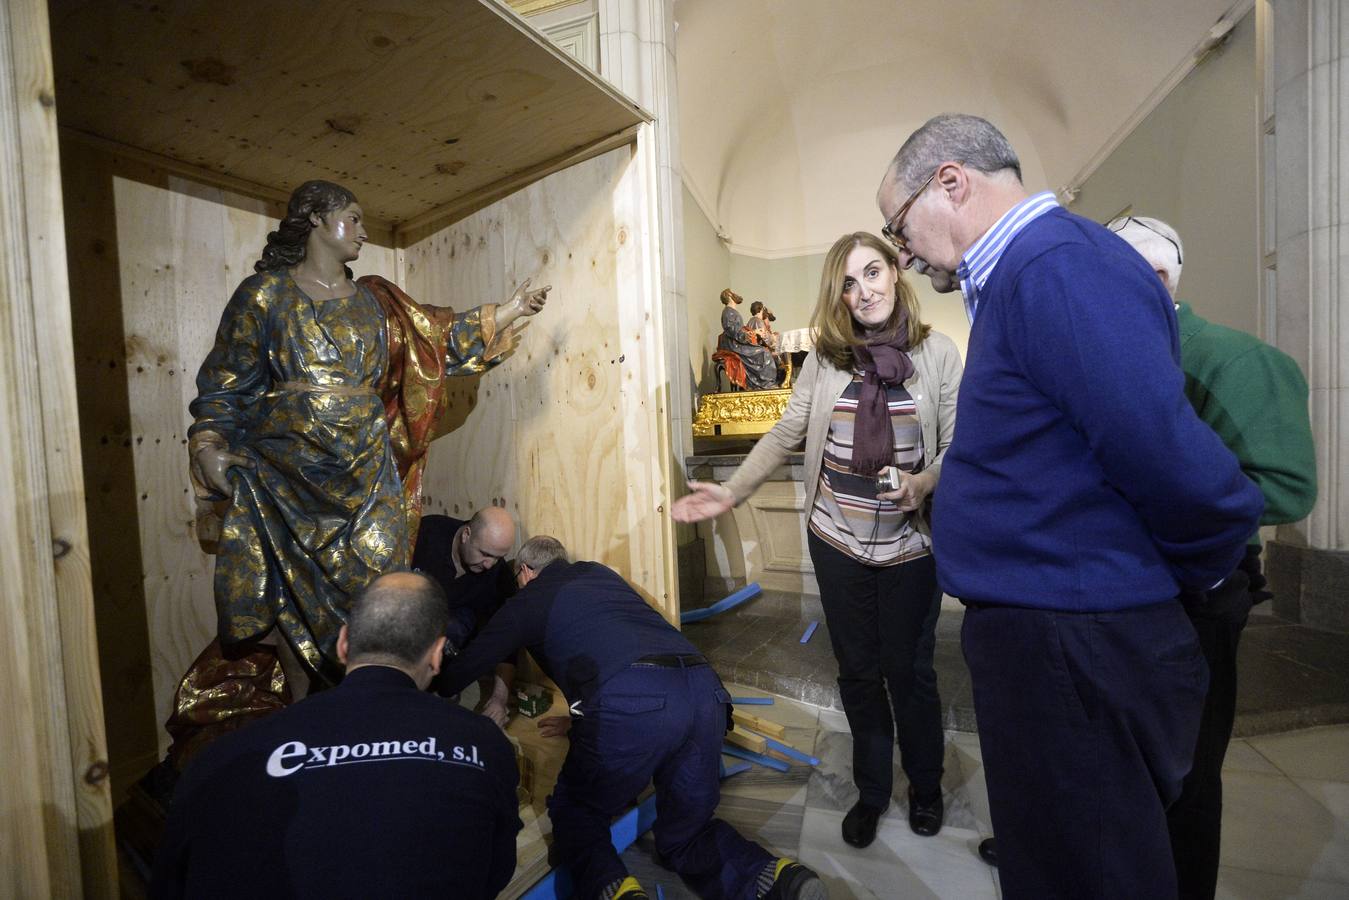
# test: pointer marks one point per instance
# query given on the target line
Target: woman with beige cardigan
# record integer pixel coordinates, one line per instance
(876, 403)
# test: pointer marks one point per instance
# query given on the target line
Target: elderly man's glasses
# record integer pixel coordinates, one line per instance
(1119, 225)
(893, 230)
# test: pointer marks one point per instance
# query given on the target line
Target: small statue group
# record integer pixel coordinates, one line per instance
(747, 352)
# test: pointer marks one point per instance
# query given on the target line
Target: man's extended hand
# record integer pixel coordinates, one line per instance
(497, 711)
(554, 726)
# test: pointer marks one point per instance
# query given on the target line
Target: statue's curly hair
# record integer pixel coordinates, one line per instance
(286, 246)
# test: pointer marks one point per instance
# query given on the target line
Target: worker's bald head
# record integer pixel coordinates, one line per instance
(495, 523)
(395, 620)
(489, 536)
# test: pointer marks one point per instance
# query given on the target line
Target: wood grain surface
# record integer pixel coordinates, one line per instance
(417, 107)
(54, 791)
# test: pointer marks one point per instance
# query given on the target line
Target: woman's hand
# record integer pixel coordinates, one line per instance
(705, 500)
(913, 490)
(524, 302)
(211, 465)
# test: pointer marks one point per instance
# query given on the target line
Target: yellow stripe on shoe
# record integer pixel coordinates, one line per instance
(793, 881)
(630, 889)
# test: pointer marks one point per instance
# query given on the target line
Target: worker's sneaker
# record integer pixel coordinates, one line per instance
(793, 881)
(627, 889)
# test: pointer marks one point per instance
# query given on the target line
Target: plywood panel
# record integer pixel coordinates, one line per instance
(463, 267)
(415, 105)
(54, 799)
(572, 474)
(570, 437)
(109, 477)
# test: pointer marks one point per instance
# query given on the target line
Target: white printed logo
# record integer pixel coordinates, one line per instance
(292, 756)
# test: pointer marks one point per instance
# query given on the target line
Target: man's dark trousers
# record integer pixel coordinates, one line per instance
(1195, 819)
(662, 724)
(1087, 726)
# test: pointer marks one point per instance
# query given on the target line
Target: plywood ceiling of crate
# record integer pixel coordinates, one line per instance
(421, 108)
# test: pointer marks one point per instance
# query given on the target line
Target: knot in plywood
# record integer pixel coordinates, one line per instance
(210, 70)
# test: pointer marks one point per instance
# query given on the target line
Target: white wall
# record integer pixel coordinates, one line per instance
(707, 265)
(1193, 164)
(792, 108)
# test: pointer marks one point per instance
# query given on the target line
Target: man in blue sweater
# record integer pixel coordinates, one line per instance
(1080, 495)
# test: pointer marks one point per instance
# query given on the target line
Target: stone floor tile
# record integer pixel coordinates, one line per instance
(1321, 753)
(1270, 824)
(1245, 884)
(898, 864)
(1242, 757)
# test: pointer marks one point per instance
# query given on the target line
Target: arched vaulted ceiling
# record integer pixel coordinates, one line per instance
(790, 109)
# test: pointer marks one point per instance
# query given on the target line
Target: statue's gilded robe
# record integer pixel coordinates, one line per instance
(335, 402)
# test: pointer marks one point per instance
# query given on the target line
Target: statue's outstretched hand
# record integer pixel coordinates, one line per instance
(211, 465)
(705, 500)
(529, 302)
(525, 301)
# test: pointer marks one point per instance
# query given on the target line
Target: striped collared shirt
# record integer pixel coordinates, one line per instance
(978, 262)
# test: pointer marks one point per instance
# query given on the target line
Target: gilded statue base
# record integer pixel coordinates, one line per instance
(739, 413)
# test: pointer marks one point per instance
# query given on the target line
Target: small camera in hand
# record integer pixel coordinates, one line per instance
(887, 480)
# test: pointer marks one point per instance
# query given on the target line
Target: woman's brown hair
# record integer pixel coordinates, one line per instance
(836, 333)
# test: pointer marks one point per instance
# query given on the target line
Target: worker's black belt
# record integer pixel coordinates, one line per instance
(673, 661)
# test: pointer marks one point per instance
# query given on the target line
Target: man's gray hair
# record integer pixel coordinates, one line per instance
(396, 619)
(1155, 241)
(952, 137)
(541, 550)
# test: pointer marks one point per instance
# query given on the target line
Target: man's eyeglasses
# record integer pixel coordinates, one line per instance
(1118, 225)
(893, 228)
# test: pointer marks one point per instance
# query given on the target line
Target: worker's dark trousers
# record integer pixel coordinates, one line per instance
(666, 725)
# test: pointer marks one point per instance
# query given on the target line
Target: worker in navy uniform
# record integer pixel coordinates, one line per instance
(371, 789)
(644, 706)
(468, 561)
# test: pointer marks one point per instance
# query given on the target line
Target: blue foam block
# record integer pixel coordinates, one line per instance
(791, 751)
(706, 612)
(556, 885)
(767, 761)
(728, 771)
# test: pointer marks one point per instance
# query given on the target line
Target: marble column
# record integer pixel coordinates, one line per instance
(1309, 561)
(637, 55)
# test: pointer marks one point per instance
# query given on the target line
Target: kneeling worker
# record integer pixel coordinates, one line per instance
(280, 808)
(645, 707)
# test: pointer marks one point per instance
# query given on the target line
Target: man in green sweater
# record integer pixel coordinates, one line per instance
(1255, 397)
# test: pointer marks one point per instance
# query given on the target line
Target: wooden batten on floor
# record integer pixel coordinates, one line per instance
(746, 740)
(757, 723)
